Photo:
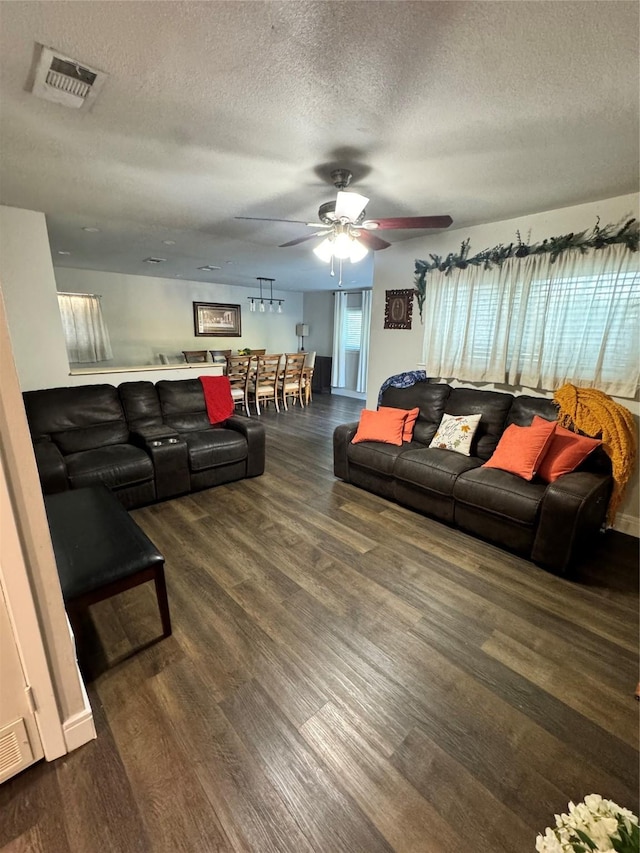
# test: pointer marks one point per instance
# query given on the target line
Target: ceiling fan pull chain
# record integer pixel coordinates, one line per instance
(340, 278)
(332, 272)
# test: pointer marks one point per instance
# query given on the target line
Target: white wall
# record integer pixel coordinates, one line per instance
(29, 288)
(318, 314)
(394, 351)
(146, 315)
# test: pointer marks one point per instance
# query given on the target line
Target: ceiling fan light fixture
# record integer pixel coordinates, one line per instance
(342, 245)
(358, 251)
(324, 250)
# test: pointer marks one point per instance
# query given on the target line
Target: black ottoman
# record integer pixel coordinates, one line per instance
(100, 551)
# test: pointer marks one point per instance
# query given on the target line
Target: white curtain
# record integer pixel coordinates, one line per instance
(365, 329)
(85, 332)
(539, 324)
(339, 361)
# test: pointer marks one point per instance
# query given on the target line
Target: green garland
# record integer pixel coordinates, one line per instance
(596, 238)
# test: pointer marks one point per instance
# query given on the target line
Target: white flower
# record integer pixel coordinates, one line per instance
(596, 817)
(549, 843)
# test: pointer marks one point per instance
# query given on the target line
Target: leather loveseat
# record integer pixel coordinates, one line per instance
(145, 441)
(551, 524)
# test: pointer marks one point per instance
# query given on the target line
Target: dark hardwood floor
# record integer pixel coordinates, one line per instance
(344, 676)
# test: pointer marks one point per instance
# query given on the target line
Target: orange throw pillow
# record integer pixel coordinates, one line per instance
(385, 426)
(522, 449)
(566, 451)
(411, 416)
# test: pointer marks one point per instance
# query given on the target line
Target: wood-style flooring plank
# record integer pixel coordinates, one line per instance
(327, 816)
(405, 818)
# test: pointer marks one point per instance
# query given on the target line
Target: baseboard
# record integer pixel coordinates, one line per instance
(79, 729)
(347, 392)
(628, 524)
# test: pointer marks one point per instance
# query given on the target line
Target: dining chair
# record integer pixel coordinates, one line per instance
(239, 374)
(194, 356)
(220, 356)
(290, 381)
(263, 386)
(307, 375)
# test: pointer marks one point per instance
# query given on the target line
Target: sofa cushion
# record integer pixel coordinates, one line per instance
(522, 449)
(385, 425)
(374, 455)
(494, 408)
(500, 493)
(455, 433)
(182, 404)
(77, 418)
(524, 408)
(115, 465)
(432, 468)
(140, 403)
(215, 446)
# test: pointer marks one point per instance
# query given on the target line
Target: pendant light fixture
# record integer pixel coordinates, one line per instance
(262, 280)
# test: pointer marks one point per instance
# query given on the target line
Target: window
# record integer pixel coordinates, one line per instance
(353, 328)
(538, 324)
(85, 332)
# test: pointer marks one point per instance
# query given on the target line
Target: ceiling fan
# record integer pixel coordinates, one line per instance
(348, 235)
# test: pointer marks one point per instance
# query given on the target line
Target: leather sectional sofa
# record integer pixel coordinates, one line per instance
(551, 524)
(145, 441)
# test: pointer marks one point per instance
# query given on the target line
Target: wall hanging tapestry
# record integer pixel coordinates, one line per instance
(398, 309)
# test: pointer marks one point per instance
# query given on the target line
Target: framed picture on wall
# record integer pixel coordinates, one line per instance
(216, 320)
(398, 309)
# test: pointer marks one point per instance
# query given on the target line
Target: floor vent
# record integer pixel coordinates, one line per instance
(15, 749)
(66, 81)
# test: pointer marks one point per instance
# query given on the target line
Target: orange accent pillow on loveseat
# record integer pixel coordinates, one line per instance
(522, 449)
(566, 451)
(385, 425)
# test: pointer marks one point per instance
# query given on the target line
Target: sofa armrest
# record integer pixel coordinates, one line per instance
(342, 436)
(573, 511)
(51, 467)
(254, 432)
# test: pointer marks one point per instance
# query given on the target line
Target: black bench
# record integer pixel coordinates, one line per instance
(100, 551)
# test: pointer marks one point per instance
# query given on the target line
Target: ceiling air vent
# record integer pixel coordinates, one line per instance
(66, 81)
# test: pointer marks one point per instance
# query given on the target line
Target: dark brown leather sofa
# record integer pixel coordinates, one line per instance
(145, 441)
(551, 524)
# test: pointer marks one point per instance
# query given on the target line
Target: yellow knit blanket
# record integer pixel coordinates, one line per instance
(596, 414)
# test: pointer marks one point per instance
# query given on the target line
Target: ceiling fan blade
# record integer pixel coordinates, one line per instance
(270, 219)
(302, 239)
(408, 222)
(372, 241)
(350, 205)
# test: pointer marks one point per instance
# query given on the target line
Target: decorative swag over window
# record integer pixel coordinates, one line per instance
(85, 332)
(533, 322)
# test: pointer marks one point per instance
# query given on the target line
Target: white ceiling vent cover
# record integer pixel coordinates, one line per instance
(66, 81)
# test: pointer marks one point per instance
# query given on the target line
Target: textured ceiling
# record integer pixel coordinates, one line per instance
(480, 110)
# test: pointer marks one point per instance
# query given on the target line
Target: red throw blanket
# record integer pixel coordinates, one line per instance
(217, 396)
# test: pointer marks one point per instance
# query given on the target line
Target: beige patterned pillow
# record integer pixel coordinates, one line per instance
(456, 432)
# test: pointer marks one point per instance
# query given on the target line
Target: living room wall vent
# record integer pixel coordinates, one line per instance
(66, 81)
